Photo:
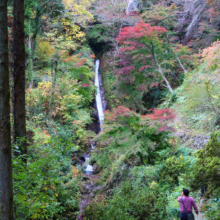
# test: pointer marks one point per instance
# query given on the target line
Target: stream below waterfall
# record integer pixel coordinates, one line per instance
(88, 168)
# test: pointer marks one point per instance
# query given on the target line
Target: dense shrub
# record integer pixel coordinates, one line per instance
(129, 138)
(139, 197)
(46, 187)
(205, 173)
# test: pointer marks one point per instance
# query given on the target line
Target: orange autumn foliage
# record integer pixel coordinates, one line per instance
(211, 55)
(75, 171)
(46, 133)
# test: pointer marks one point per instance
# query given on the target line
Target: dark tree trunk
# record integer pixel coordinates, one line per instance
(19, 76)
(6, 188)
(53, 87)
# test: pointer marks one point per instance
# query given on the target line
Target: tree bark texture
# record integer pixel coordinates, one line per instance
(19, 76)
(6, 188)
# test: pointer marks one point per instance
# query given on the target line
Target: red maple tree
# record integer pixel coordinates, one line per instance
(160, 118)
(138, 31)
(141, 52)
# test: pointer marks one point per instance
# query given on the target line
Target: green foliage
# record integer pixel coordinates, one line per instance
(206, 170)
(145, 191)
(128, 138)
(48, 187)
(137, 198)
(99, 33)
(174, 164)
(73, 94)
(154, 97)
(161, 15)
(131, 97)
(44, 188)
(173, 167)
(197, 100)
(69, 103)
(211, 209)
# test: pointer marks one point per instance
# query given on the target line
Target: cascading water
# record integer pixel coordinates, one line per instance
(89, 169)
(98, 97)
(133, 7)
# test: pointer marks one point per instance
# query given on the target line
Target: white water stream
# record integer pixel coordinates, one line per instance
(132, 7)
(98, 97)
(89, 169)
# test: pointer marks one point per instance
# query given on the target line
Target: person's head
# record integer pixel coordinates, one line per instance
(185, 192)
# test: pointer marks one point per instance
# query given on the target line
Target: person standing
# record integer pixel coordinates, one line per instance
(186, 204)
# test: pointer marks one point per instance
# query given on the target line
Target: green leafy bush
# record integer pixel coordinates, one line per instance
(44, 188)
(129, 138)
(138, 197)
(205, 172)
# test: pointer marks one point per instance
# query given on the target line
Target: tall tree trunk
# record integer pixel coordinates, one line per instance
(53, 86)
(19, 76)
(6, 187)
(30, 60)
(35, 34)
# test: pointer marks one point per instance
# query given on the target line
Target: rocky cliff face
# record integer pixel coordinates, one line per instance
(193, 141)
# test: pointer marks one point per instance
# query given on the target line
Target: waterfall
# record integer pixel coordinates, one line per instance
(133, 7)
(98, 97)
(89, 169)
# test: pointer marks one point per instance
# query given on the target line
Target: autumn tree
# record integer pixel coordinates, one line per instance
(161, 15)
(63, 16)
(6, 188)
(210, 55)
(56, 19)
(142, 55)
(38, 15)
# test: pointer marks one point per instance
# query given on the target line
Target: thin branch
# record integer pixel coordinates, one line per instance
(159, 68)
(177, 58)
